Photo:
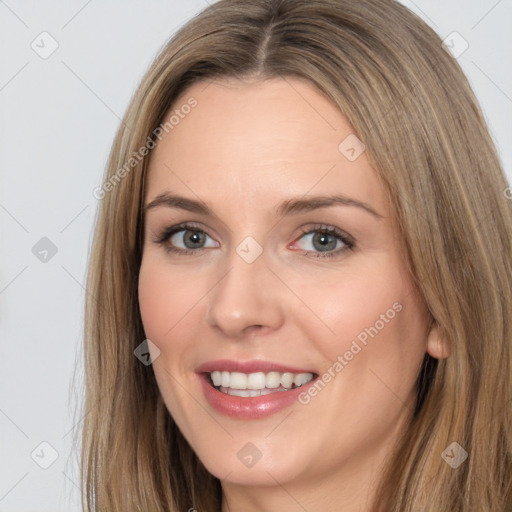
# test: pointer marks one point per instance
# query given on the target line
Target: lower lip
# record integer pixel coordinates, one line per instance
(249, 408)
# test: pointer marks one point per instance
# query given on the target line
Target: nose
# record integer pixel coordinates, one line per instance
(248, 298)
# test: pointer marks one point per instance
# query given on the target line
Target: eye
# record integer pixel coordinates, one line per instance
(184, 239)
(326, 241)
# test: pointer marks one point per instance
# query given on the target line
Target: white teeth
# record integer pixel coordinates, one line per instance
(273, 380)
(238, 380)
(258, 383)
(248, 392)
(216, 378)
(256, 380)
(287, 380)
(301, 378)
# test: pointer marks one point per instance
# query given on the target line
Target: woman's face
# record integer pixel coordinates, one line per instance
(284, 269)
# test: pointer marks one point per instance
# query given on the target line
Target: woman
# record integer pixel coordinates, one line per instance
(300, 282)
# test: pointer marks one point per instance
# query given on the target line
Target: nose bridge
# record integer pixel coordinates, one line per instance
(247, 295)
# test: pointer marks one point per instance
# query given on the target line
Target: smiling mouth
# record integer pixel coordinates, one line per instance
(257, 384)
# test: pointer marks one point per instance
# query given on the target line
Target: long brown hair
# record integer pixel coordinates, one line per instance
(425, 135)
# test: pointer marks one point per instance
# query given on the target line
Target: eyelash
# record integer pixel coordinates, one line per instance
(349, 242)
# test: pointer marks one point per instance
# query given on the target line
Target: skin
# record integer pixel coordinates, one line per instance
(246, 147)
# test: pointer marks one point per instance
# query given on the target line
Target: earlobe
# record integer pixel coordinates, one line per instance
(437, 345)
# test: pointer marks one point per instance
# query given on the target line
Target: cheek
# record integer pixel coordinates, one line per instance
(165, 298)
(372, 356)
(153, 301)
(167, 305)
(357, 302)
(377, 327)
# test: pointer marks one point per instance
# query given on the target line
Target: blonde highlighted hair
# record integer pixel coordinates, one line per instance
(410, 103)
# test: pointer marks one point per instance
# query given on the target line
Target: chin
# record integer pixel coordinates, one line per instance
(242, 462)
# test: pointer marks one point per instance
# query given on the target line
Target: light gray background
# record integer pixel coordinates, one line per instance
(58, 119)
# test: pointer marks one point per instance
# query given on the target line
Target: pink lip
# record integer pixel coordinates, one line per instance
(228, 365)
(248, 408)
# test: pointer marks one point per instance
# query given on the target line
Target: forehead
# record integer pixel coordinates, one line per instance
(259, 140)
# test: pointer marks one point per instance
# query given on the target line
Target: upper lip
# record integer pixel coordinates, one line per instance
(252, 366)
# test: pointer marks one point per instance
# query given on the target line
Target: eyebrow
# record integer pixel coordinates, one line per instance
(287, 207)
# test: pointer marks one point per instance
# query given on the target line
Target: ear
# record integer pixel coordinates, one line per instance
(437, 345)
